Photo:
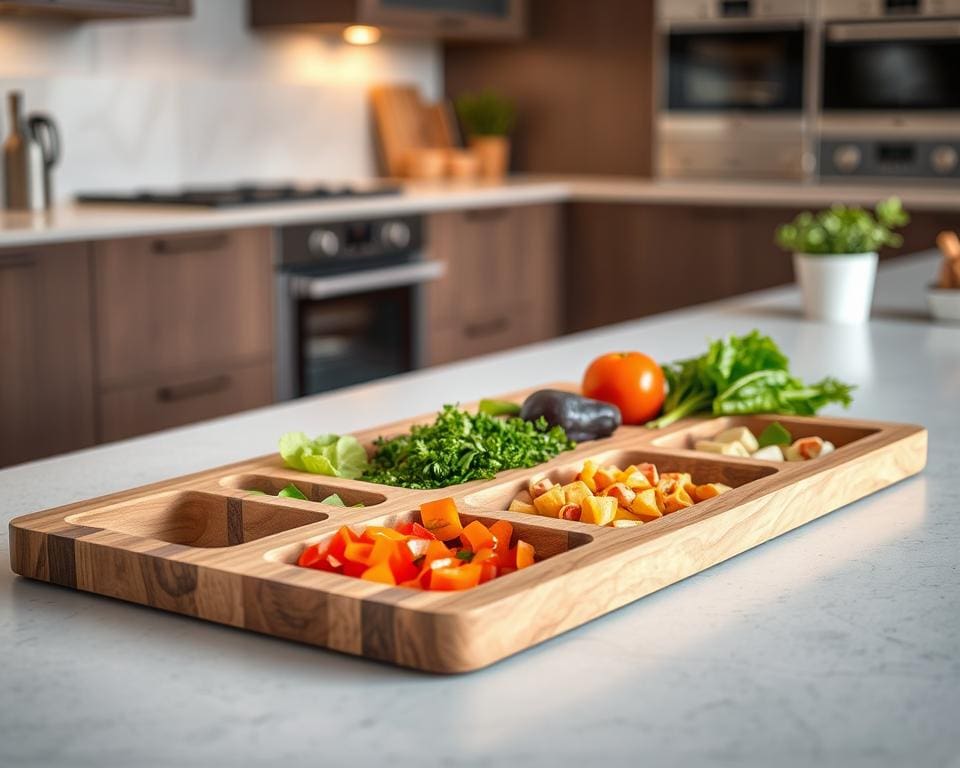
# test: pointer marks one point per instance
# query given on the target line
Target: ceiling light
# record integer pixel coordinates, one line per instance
(360, 34)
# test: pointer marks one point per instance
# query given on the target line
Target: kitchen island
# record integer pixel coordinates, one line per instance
(836, 644)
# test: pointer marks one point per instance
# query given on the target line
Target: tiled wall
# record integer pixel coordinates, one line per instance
(190, 101)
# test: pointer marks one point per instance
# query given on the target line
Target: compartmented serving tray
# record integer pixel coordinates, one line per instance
(202, 546)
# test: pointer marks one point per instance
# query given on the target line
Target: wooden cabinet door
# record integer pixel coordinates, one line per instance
(183, 303)
(46, 390)
(476, 19)
(502, 284)
(93, 9)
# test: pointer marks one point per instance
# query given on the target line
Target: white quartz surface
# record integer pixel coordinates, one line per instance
(100, 221)
(835, 645)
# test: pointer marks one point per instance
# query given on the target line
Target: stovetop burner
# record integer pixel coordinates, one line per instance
(242, 194)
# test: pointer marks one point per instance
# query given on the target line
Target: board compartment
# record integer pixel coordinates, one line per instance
(199, 519)
(315, 490)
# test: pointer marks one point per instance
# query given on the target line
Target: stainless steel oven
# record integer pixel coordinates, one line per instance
(733, 88)
(349, 302)
(890, 93)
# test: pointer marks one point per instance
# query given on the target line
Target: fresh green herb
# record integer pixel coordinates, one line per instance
(324, 455)
(486, 113)
(290, 491)
(460, 446)
(745, 374)
(499, 408)
(839, 229)
(465, 554)
(775, 434)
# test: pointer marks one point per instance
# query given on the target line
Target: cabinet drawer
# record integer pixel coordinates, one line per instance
(141, 408)
(182, 303)
(470, 338)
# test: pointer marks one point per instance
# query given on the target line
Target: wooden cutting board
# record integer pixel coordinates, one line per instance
(200, 545)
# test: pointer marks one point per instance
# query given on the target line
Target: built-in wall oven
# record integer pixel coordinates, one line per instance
(732, 92)
(891, 93)
(348, 302)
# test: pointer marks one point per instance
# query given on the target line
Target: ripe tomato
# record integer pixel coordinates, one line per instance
(632, 381)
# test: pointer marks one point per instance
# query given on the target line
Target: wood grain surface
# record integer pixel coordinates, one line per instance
(202, 545)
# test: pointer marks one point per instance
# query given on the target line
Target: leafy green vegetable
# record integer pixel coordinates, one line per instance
(743, 374)
(290, 491)
(460, 446)
(333, 500)
(774, 434)
(839, 229)
(334, 455)
(499, 408)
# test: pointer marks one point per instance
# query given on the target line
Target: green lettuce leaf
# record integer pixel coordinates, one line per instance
(333, 455)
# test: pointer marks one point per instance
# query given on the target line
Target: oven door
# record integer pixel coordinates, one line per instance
(749, 70)
(892, 67)
(339, 330)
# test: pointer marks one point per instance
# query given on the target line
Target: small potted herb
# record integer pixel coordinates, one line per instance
(835, 257)
(487, 119)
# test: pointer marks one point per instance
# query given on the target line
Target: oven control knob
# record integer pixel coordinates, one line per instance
(944, 159)
(323, 242)
(847, 158)
(395, 234)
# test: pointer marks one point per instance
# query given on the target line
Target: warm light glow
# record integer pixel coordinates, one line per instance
(360, 34)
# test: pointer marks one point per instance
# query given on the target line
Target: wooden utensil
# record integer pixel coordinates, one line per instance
(949, 244)
(204, 546)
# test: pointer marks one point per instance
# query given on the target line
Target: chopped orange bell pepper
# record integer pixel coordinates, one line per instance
(401, 562)
(383, 550)
(420, 532)
(380, 573)
(525, 555)
(483, 554)
(488, 571)
(354, 569)
(502, 531)
(371, 533)
(358, 552)
(476, 536)
(462, 577)
(441, 518)
(436, 550)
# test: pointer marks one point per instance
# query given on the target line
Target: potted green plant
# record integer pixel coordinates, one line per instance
(835, 257)
(487, 119)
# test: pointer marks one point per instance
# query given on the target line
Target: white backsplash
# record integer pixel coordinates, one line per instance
(205, 99)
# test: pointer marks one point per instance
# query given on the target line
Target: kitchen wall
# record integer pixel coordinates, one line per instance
(204, 99)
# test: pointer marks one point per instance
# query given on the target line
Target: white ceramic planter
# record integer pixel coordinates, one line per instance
(836, 289)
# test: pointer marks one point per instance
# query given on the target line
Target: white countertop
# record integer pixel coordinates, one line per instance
(75, 222)
(837, 644)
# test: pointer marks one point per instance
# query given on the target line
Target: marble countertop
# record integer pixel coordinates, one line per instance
(73, 222)
(837, 644)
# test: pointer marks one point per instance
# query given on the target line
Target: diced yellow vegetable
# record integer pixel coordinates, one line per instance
(521, 506)
(637, 481)
(576, 492)
(621, 493)
(672, 497)
(587, 475)
(606, 476)
(740, 435)
(599, 510)
(548, 504)
(625, 473)
(626, 514)
(681, 478)
(709, 490)
(645, 506)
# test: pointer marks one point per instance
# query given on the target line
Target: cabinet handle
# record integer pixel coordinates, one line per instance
(171, 393)
(485, 214)
(178, 245)
(17, 261)
(486, 328)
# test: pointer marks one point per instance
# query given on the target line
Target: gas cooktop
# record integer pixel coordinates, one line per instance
(242, 194)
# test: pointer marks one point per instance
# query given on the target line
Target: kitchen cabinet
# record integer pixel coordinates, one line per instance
(503, 283)
(47, 386)
(97, 9)
(663, 257)
(450, 19)
(184, 328)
